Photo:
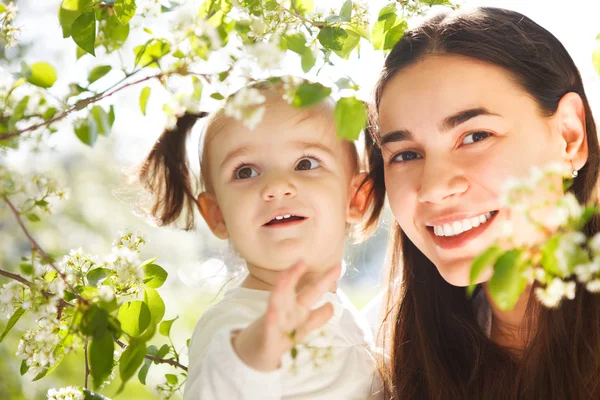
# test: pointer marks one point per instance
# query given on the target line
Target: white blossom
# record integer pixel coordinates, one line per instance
(553, 293)
(594, 244)
(246, 105)
(106, 293)
(593, 286)
(66, 393)
(11, 294)
(584, 272)
(37, 346)
(267, 55)
(568, 246)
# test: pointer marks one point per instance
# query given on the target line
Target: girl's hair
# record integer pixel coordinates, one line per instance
(166, 172)
(437, 348)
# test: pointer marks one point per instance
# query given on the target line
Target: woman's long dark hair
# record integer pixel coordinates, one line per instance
(437, 348)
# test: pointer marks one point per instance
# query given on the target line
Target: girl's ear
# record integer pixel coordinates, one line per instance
(570, 117)
(360, 190)
(210, 211)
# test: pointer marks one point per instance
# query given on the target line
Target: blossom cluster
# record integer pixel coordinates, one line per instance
(8, 32)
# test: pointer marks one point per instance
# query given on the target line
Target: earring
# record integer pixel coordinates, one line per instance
(574, 172)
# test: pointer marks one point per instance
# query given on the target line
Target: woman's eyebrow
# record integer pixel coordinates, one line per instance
(449, 123)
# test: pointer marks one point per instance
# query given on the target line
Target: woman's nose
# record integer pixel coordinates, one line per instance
(441, 182)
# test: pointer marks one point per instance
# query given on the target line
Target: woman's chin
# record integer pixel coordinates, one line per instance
(458, 273)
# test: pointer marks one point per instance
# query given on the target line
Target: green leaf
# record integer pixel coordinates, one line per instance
(308, 94)
(165, 327)
(114, 33)
(155, 304)
(94, 322)
(393, 35)
(198, 86)
(130, 360)
(24, 367)
(33, 217)
(134, 317)
(124, 10)
(333, 37)
(351, 42)
(49, 113)
(164, 350)
(153, 351)
(217, 96)
(69, 11)
(84, 132)
(308, 59)
(83, 32)
(97, 276)
(12, 321)
(89, 395)
(171, 379)
(154, 275)
(98, 73)
(385, 22)
(101, 358)
(483, 261)
(350, 117)
(346, 11)
(507, 283)
(2, 8)
(101, 120)
(295, 42)
(150, 53)
(41, 74)
(549, 262)
(26, 268)
(144, 99)
(304, 6)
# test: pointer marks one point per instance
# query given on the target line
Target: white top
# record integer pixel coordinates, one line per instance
(339, 364)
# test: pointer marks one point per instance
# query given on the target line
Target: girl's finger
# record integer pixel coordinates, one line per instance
(284, 289)
(315, 320)
(312, 294)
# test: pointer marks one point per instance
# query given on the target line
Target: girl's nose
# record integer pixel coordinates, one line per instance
(278, 187)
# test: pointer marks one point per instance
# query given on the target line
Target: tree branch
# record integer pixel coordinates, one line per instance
(36, 246)
(87, 364)
(15, 277)
(170, 361)
(81, 104)
(62, 302)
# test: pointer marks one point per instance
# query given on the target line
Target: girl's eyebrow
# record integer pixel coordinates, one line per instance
(449, 123)
(315, 145)
(240, 151)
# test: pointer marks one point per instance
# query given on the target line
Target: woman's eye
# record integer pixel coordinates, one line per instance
(406, 156)
(475, 137)
(245, 172)
(307, 163)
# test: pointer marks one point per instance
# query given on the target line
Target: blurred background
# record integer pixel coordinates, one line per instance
(102, 202)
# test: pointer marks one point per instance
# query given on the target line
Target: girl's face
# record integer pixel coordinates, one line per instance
(454, 129)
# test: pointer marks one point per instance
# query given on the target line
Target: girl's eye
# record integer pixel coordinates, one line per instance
(245, 172)
(475, 137)
(307, 163)
(406, 156)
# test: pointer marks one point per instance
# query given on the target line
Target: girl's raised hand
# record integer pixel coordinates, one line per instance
(289, 318)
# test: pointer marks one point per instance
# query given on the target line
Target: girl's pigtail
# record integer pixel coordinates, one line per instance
(166, 174)
(375, 180)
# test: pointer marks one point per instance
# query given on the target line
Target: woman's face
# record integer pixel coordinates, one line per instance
(454, 129)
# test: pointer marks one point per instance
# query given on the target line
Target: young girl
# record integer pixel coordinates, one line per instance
(466, 101)
(284, 194)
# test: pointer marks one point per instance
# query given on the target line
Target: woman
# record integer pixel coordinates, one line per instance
(465, 101)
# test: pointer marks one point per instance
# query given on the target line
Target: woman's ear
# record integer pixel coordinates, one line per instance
(210, 211)
(359, 199)
(570, 117)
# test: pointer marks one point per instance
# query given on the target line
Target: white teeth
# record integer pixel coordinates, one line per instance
(458, 227)
(279, 217)
(286, 216)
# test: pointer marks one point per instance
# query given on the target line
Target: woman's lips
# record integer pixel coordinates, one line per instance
(453, 242)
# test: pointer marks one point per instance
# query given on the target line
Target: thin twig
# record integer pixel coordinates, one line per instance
(61, 304)
(296, 14)
(33, 243)
(81, 104)
(170, 361)
(87, 365)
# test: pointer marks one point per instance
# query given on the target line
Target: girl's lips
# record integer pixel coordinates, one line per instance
(453, 242)
(294, 220)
